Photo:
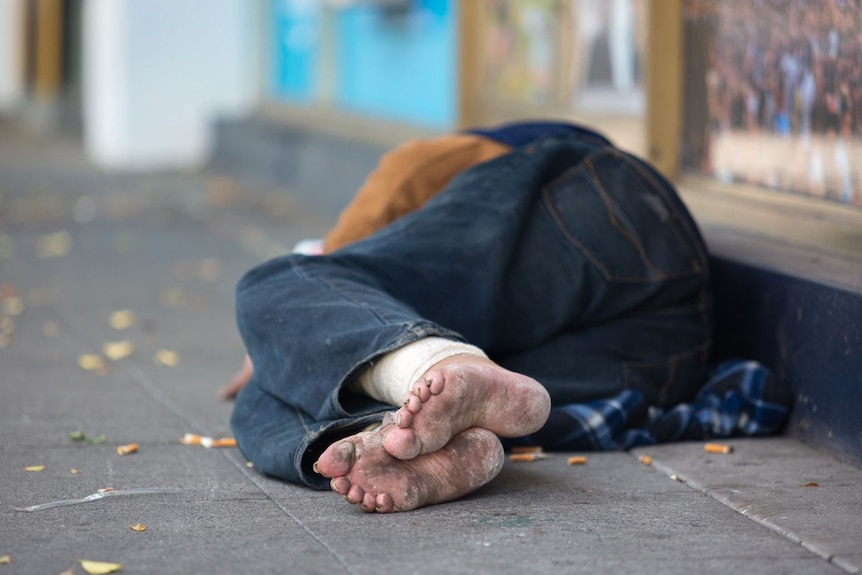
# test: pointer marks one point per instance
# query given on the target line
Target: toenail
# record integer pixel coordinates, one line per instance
(398, 419)
(428, 382)
(315, 468)
(378, 507)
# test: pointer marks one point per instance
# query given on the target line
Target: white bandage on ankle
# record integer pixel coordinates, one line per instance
(393, 374)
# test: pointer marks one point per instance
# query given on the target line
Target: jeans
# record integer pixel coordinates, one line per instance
(567, 260)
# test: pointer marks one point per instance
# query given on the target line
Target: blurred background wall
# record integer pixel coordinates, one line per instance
(142, 81)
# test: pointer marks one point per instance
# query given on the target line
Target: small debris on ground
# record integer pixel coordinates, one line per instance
(99, 567)
(127, 449)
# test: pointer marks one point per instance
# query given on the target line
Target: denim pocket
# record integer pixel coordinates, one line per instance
(625, 220)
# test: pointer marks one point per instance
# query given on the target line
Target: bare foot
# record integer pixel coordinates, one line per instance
(460, 392)
(364, 473)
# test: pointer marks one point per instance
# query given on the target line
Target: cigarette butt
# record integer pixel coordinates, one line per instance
(527, 456)
(75, 471)
(676, 477)
(224, 442)
(105, 490)
(577, 460)
(127, 449)
(190, 439)
(527, 449)
(645, 459)
(717, 448)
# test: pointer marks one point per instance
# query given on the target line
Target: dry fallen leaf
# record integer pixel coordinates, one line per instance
(138, 527)
(123, 319)
(5, 559)
(117, 350)
(54, 245)
(99, 567)
(91, 361)
(69, 571)
(173, 297)
(34, 468)
(167, 358)
(12, 306)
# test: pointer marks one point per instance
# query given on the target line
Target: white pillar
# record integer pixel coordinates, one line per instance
(157, 73)
(11, 56)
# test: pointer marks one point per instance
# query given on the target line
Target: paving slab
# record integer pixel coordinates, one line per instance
(171, 247)
(798, 492)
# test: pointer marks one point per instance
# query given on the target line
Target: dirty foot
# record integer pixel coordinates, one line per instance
(364, 473)
(460, 392)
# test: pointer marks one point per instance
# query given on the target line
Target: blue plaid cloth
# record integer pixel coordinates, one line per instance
(740, 398)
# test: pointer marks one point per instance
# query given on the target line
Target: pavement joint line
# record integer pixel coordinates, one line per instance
(251, 477)
(764, 521)
(74, 319)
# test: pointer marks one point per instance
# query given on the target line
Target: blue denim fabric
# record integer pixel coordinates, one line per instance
(566, 260)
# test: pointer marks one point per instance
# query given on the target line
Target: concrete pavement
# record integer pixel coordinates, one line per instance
(77, 244)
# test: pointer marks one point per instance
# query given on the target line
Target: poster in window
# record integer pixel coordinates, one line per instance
(773, 94)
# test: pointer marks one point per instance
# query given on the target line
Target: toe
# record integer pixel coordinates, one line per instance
(402, 444)
(412, 403)
(383, 504)
(337, 460)
(403, 418)
(369, 503)
(435, 383)
(340, 485)
(422, 391)
(355, 494)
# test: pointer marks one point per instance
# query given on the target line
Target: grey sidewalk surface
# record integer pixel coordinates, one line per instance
(77, 244)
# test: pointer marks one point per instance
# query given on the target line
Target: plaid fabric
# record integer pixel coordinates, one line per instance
(740, 398)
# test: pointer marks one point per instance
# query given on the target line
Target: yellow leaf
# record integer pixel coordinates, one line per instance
(5, 559)
(34, 468)
(173, 297)
(54, 245)
(98, 567)
(138, 527)
(123, 319)
(91, 361)
(13, 306)
(116, 350)
(167, 358)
